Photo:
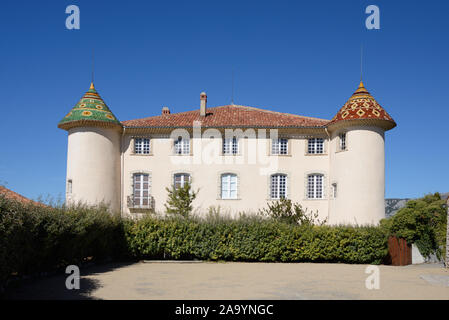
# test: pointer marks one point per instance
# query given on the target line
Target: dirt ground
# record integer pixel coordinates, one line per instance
(223, 281)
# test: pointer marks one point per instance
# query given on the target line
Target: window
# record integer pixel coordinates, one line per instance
(279, 146)
(182, 146)
(69, 186)
(141, 192)
(141, 146)
(278, 188)
(229, 186)
(334, 190)
(180, 179)
(315, 146)
(315, 186)
(343, 141)
(230, 145)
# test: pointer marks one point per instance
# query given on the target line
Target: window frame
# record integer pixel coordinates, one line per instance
(231, 146)
(229, 189)
(184, 146)
(143, 147)
(183, 180)
(277, 146)
(312, 189)
(312, 148)
(342, 142)
(278, 186)
(141, 190)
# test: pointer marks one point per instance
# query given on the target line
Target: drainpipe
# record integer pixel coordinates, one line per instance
(122, 171)
(329, 179)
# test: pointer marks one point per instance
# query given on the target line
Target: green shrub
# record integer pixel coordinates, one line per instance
(285, 210)
(423, 222)
(35, 238)
(253, 239)
(180, 200)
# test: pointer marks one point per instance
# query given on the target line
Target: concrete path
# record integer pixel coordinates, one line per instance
(242, 281)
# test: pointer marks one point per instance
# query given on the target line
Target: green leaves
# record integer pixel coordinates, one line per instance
(421, 221)
(180, 200)
(254, 239)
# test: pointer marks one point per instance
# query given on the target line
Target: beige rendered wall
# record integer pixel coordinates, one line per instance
(93, 165)
(360, 176)
(253, 172)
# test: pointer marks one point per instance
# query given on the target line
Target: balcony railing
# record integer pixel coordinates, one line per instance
(132, 204)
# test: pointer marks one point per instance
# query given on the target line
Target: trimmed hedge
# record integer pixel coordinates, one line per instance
(34, 239)
(37, 238)
(253, 239)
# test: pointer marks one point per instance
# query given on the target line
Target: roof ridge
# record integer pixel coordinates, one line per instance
(231, 106)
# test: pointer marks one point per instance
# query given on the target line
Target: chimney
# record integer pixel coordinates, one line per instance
(203, 99)
(165, 110)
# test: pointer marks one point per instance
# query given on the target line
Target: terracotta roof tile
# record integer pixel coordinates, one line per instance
(228, 116)
(9, 194)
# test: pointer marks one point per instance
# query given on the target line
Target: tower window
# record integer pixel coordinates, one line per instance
(315, 186)
(141, 190)
(278, 186)
(279, 146)
(343, 141)
(182, 146)
(69, 186)
(230, 145)
(142, 146)
(229, 186)
(334, 190)
(315, 146)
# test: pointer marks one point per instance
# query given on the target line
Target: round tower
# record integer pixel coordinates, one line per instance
(357, 160)
(93, 152)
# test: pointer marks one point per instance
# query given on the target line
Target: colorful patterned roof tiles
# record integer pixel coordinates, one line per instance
(362, 107)
(90, 110)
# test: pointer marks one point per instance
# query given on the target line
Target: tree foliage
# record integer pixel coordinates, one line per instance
(180, 200)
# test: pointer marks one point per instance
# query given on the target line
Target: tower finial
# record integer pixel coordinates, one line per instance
(93, 65)
(361, 63)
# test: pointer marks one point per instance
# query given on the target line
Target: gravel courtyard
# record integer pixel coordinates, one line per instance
(177, 280)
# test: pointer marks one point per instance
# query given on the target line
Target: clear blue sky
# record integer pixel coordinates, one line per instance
(299, 57)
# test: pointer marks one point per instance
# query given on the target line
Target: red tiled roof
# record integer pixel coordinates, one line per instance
(228, 116)
(9, 194)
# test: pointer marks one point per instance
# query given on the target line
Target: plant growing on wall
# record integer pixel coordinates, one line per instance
(287, 211)
(180, 200)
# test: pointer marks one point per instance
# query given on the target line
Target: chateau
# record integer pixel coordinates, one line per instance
(238, 157)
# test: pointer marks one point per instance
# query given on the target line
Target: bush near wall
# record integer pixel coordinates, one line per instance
(36, 238)
(253, 239)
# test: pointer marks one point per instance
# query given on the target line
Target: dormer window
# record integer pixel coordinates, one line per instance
(315, 146)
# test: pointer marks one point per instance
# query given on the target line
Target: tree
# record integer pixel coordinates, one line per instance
(423, 222)
(180, 200)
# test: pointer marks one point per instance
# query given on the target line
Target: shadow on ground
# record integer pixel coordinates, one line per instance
(53, 287)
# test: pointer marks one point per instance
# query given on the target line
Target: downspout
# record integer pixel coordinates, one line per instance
(122, 171)
(329, 178)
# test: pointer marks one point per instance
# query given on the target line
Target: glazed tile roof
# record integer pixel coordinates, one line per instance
(362, 106)
(228, 116)
(91, 109)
